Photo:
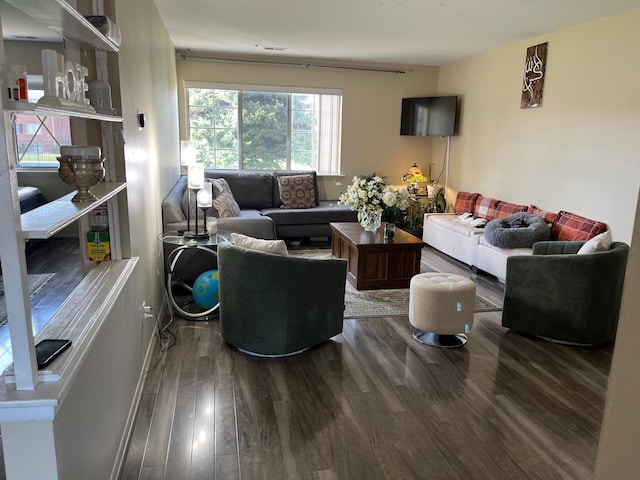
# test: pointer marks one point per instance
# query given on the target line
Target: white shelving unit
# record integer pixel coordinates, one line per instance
(109, 294)
(49, 219)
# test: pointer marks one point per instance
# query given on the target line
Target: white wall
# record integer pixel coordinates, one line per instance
(580, 151)
(620, 435)
(371, 140)
(148, 83)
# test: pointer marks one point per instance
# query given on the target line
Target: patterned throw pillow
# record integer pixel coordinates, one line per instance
(486, 207)
(572, 227)
(297, 191)
(224, 200)
(465, 202)
(505, 209)
(549, 217)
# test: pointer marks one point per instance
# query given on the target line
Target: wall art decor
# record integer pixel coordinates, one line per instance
(533, 78)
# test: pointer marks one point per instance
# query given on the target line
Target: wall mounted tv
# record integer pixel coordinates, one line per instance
(429, 116)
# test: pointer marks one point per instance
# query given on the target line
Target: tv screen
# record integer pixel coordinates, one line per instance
(429, 116)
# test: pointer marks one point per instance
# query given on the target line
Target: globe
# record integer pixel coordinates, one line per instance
(206, 289)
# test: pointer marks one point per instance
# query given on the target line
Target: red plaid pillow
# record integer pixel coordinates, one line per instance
(486, 207)
(549, 217)
(504, 209)
(571, 227)
(465, 202)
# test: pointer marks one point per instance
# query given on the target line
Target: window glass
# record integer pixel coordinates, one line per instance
(38, 139)
(248, 128)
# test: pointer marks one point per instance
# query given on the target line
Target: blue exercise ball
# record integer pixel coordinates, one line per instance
(206, 289)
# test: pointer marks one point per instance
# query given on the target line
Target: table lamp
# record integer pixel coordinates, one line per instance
(195, 181)
(415, 176)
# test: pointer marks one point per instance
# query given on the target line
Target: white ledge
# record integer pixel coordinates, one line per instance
(79, 319)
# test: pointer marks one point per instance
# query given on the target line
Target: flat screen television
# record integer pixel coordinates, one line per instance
(429, 116)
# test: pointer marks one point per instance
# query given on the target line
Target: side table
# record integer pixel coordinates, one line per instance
(185, 260)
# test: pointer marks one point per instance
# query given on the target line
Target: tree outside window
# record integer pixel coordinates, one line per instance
(257, 130)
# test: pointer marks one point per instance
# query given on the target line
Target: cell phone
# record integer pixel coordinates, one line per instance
(48, 350)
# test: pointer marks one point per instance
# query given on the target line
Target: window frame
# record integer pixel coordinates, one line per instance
(334, 163)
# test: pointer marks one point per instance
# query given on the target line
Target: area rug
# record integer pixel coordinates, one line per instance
(383, 302)
(36, 283)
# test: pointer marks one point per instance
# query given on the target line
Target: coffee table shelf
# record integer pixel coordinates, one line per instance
(374, 262)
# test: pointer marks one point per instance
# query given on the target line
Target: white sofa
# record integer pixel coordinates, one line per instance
(444, 232)
(466, 243)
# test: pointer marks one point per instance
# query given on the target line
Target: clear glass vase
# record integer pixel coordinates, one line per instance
(370, 220)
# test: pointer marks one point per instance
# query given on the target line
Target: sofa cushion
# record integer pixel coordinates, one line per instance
(465, 202)
(250, 188)
(325, 213)
(224, 201)
(504, 209)
(549, 217)
(271, 246)
(571, 227)
(485, 207)
(276, 202)
(297, 191)
(599, 243)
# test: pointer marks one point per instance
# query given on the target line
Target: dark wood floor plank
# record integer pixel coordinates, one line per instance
(204, 438)
(139, 437)
(183, 433)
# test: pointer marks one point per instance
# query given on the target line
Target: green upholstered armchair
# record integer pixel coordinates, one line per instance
(274, 305)
(561, 296)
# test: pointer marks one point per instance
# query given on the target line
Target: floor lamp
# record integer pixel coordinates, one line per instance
(446, 173)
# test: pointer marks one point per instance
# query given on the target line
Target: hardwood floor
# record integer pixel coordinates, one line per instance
(372, 404)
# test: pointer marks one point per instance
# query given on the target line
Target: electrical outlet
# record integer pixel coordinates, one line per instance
(147, 311)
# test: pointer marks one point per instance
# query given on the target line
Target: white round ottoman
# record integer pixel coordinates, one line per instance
(441, 308)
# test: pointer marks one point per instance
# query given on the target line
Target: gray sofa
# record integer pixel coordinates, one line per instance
(257, 194)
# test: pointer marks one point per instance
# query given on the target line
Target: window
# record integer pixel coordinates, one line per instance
(262, 128)
(38, 139)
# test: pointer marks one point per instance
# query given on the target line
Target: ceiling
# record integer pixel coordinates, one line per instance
(399, 32)
(405, 32)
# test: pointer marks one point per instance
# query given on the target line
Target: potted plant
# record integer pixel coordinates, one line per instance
(438, 203)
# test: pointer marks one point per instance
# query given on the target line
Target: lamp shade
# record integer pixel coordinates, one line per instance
(415, 170)
(205, 196)
(195, 176)
(414, 175)
(188, 153)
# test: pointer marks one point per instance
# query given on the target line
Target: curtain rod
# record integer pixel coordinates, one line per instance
(189, 56)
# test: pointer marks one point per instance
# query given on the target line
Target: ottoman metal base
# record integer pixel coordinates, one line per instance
(439, 340)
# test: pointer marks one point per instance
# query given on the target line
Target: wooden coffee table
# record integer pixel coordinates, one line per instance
(374, 262)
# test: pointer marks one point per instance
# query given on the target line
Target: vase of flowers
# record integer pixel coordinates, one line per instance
(370, 197)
